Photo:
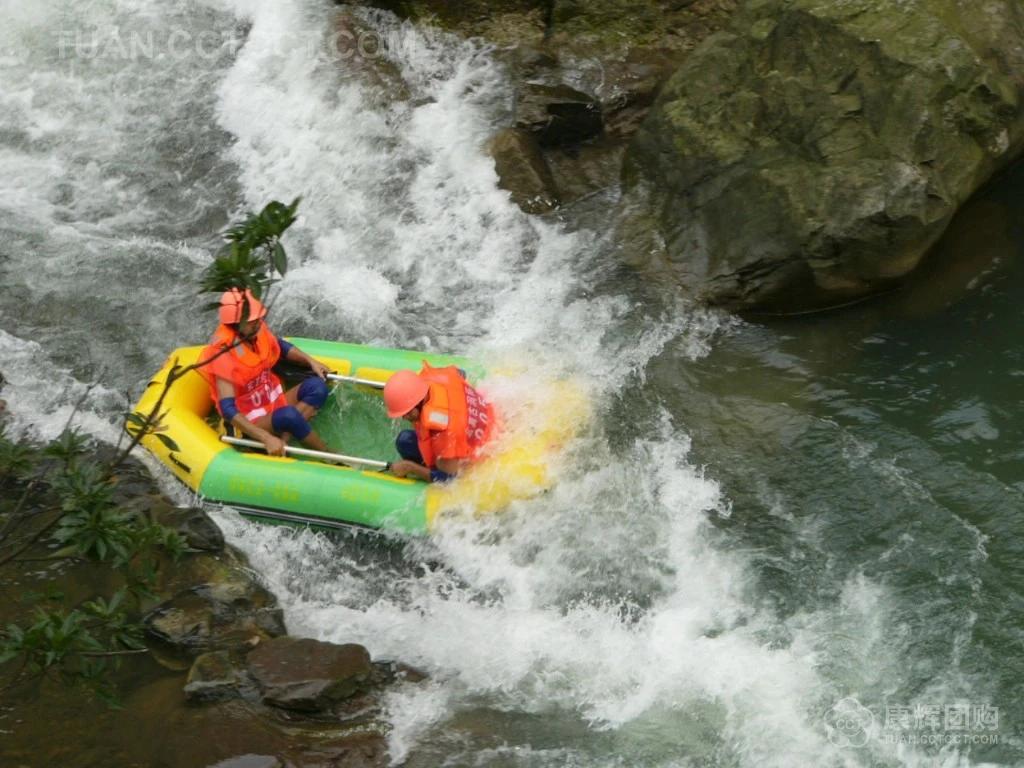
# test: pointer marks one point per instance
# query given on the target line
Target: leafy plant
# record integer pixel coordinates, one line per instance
(252, 257)
(73, 505)
(252, 254)
(80, 644)
(17, 460)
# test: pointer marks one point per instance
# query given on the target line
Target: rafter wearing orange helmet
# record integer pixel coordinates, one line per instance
(452, 422)
(249, 395)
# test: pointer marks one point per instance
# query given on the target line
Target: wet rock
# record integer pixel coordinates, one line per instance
(251, 761)
(585, 170)
(194, 525)
(362, 50)
(198, 530)
(630, 86)
(388, 672)
(527, 61)
(131, 479)
(597, 28)
(211, 677)
(308, 675)
(501, 21)
(523, 171)
(622, 52)
(557, 115)
(229, 613)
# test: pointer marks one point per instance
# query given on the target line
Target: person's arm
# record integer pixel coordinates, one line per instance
(226, 395)
(295, 355)
(404, 468)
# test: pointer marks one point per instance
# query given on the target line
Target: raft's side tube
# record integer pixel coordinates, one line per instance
(182, 419)
(309, 488)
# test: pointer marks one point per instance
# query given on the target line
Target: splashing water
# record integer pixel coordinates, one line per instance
(621, 618)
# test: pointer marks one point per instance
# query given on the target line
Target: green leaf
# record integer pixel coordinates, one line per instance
(117, 599)
(90, 643)
(252, 253)
(167, 441)
(69, 551)
(280, 258)
(134, 423)
(109, 698)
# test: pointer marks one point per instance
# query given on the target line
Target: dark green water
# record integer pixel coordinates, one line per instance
(354, 423)
(875, 464)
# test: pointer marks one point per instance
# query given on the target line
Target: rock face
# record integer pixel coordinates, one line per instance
(557, 114)
(811, 155)
(523, 171)
(211, 602)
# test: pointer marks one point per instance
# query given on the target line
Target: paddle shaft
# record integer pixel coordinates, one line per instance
(356, 380)
(310, 453)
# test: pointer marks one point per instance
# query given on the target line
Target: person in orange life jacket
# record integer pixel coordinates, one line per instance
(248, 394)
(451, 421)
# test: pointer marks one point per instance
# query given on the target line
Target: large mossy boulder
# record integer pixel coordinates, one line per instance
(812, 154)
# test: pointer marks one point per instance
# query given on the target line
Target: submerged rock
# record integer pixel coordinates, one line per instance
(212, 676)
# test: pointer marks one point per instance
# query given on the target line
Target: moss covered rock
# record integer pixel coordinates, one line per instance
(812, 155)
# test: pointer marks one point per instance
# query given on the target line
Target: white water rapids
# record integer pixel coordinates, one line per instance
(606, 624)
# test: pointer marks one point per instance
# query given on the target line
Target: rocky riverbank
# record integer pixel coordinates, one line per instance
(221, 683)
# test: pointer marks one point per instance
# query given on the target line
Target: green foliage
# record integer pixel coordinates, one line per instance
(82, 644)
(252, 253)
(67, 447)
(17, 460)
(136, 424)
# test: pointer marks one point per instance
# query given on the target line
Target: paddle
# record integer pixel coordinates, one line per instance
(356, 380)
(384, 465)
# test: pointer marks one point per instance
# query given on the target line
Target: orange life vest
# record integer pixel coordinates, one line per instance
(455, 421)
(247, 366)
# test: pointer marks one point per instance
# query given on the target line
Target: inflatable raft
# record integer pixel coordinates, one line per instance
(307, 491)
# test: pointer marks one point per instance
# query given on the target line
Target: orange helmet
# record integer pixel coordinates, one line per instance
(231, 303)
(403, 392)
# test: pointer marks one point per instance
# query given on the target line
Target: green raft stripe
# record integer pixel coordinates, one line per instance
(316, 490)
(388, 359)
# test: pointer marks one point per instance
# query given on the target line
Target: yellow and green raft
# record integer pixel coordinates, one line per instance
(310, 492)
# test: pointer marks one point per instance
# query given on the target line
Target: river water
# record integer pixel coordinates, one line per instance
(783, 543)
